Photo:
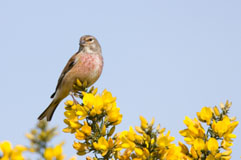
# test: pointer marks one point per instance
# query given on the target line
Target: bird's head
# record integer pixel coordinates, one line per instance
(89, 44)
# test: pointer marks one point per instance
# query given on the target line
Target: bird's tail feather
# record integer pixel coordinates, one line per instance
(49, 111)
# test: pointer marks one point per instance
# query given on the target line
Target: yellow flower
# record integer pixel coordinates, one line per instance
(88, 99)
(54, 153)
(184, 148)
(86, 129)
(110, 143)
(6, 147)
(82, 111)
(11, 153)
(98, 104)
(131, 134)
(212, 145)
(174, 153)
(221, 127)
(58, 152)
(139, 130)
(146, 152)
(138, 151)
(69, 103)
(113, 115)
(125, 139)
(80, 135)
(226, 145)
(194, 130)
(193, 153)
(199, 145)
(227, 153)
(205, 115)
(107, 97)
(102, 144)
(80, 147)
(216, 111)
(224, 127)
(146, 142)
(232, 126)
(139, 139)
(164, 141)
(217, 155)
(72, 126)
(48, 154)
(144, 123)
(152, 121)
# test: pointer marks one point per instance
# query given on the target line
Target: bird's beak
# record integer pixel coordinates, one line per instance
(82, 42)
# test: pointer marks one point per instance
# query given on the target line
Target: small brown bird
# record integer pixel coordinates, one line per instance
(85, 65)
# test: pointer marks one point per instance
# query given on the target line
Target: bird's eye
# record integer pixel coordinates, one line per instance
(90, 40)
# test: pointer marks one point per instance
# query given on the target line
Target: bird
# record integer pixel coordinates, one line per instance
(86, 65)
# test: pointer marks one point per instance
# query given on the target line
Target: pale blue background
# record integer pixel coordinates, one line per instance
(163, 59)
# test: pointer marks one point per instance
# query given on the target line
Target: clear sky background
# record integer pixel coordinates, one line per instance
(163, 59)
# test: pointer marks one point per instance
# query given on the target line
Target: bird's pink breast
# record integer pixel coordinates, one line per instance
(91, 63)
(89, 68)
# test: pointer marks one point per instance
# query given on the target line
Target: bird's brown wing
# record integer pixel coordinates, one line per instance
(66, 69)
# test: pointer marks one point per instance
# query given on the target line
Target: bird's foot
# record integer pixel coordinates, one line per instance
(74, 100)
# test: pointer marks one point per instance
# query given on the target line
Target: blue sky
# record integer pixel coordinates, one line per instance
(163, 59)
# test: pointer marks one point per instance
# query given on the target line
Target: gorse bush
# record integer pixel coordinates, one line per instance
(209, 136)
